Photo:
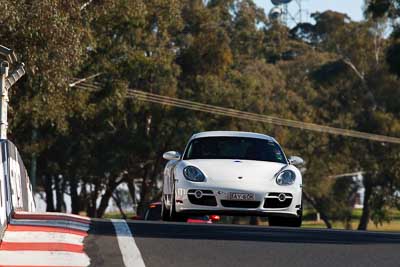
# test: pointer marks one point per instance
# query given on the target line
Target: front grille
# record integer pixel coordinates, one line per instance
(240, 204)
(275, 203)
(206, 198)
(203, 201)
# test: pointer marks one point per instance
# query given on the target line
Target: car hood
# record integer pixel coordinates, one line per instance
(222, 171)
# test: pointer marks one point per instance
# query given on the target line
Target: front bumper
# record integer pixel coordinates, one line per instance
(215, 200)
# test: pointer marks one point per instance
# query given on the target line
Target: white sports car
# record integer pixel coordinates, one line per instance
(233, 173)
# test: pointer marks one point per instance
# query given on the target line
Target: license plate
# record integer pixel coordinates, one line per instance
(242, 196)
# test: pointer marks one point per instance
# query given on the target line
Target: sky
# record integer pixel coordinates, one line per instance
(351, 7)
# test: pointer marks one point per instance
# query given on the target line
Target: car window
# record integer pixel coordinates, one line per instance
(235, 148)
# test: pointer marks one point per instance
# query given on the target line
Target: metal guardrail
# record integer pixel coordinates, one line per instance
(15, 188)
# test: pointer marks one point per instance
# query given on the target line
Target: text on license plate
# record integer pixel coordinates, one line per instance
(242, 196)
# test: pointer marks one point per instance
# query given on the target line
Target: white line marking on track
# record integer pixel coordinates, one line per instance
(42, 237)
(130, 252)
(43, 258)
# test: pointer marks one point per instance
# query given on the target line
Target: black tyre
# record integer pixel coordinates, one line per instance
(165, 213)
(175, 216)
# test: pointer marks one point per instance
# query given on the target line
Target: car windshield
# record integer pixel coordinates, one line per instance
(241, 148)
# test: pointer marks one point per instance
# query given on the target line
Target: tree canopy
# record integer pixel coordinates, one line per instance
(86, 140)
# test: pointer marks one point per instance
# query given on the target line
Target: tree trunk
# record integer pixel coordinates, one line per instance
(48, 183)
(325, 219)
(83, 197)
(75, 201)
(363, 224)
(60, 204)
(314, 203)
(105, 198)
(351, 201)
(118, 201)
(144, 194)
(148, 195)
(132, 192)
(91, 208)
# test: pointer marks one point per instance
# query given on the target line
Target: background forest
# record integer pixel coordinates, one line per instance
(85, 141)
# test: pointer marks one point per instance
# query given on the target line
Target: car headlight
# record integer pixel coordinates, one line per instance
(286, 177)
(193, 174)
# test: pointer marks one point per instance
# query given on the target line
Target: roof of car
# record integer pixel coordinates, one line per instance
(232, 134)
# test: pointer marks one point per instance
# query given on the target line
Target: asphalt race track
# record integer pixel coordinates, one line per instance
(181, 244)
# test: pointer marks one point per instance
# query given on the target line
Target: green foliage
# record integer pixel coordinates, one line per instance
(224, 53)
(47, 36)
(380, 8)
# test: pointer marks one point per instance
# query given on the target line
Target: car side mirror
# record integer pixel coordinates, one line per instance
(172, 155)
(294, 160)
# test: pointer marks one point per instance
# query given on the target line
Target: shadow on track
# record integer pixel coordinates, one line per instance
(142, 229)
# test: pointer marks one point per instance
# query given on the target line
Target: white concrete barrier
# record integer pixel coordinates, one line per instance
(15, 187)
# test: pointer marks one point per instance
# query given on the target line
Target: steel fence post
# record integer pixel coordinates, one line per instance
(4, 99)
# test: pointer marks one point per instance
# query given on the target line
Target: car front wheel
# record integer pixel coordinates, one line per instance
(165, 213)
(175, 216)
